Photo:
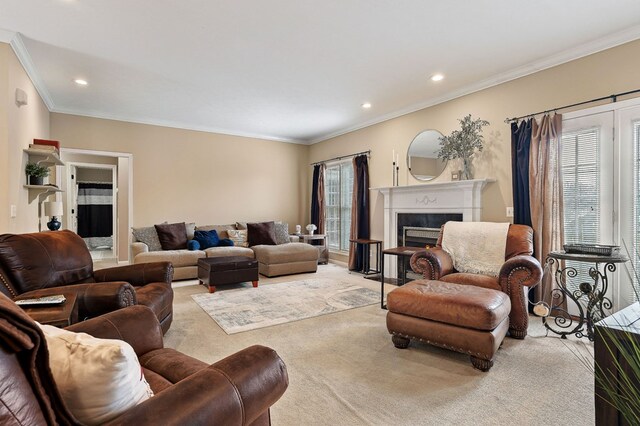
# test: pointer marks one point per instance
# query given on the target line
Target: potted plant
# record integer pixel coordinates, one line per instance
(463, 143)
(36, 173)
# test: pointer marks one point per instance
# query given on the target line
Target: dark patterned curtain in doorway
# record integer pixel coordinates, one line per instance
(95, 214)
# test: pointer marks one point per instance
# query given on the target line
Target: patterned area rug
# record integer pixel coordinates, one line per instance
(246, 309)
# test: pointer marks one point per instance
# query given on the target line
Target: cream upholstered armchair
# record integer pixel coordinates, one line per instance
(519, 272)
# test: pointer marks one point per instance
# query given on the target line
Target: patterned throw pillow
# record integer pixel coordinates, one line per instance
(149, 236)
(282, 233)
(239, 237)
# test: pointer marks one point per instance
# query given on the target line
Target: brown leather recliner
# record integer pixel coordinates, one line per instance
(47, 263)
(237, 390)
(519, 270)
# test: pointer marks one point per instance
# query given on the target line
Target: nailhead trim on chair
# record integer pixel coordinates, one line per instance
(6, 284)
(520, 331)
(442, 345)
(126, 297)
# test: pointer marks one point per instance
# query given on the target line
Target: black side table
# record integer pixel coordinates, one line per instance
(402, 253)
(367, 243)
(590, 297)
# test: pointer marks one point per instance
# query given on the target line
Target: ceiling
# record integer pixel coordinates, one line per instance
(293, 70)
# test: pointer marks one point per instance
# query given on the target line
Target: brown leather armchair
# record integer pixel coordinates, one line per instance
(47, 263)
(238, 390)
(520, 271)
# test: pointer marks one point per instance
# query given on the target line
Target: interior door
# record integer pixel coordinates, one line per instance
(72, 200)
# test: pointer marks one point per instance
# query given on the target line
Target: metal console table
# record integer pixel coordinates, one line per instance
(590, 297)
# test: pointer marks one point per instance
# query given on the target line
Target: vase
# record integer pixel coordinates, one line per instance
(36, 180)
(310, 231)
(466, 169)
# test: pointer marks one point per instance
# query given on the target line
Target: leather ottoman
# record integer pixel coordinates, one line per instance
(463, 318)
(213, 271)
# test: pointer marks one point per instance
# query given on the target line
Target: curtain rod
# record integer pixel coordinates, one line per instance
(613, 98)
(341, 157)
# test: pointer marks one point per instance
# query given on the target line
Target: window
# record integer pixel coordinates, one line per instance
(633, 248)
(581, 191)
(338, 189)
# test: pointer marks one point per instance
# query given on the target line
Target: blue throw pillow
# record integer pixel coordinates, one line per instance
(207, 238)
(193, 245)
(226, 242)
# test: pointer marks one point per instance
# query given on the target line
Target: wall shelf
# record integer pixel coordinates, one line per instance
(43, 157)
(41, 190)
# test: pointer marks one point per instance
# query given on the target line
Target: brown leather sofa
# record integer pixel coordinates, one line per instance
(519, 270)
(237, 390)
(47, 263)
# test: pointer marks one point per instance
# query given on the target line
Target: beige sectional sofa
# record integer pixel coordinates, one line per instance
(273, 260)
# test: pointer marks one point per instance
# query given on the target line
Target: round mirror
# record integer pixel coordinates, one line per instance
(422, 156)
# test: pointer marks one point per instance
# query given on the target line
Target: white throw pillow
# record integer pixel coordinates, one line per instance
(239, 237)
(97, 378)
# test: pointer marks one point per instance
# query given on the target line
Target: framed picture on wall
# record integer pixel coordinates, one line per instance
(455, 175)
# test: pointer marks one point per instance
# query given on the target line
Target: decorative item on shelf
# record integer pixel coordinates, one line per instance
(311, 228)
(36, 173)
(463, 143)
(298, 229)
(455, 175)
(53, 209)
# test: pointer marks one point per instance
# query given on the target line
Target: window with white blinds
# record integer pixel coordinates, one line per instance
(581, 186)
(338, 191)
(633, 250)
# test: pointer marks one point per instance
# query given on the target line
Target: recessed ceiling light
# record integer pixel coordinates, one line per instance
(80, 82)
(366, 105)
(437, 77)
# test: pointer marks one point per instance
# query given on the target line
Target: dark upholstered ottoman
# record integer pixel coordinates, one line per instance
(214, 271)
(463, 318)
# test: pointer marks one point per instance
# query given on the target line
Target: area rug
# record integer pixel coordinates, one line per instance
(247, 309)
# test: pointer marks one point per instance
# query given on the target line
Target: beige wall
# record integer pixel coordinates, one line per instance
(22, 125)
(4, 138)
(183, 175)
(611, 71)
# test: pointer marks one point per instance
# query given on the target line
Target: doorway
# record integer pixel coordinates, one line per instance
(98, 201)
(93, 207)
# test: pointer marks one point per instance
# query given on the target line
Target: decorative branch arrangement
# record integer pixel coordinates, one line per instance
(463, 143)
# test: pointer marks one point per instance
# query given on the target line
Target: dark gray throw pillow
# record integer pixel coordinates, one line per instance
(262, 233)
(172, 236)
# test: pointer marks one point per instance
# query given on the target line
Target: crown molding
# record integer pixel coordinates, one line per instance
(6, 36)
(27, 63)
(174, 125)
(568, 55)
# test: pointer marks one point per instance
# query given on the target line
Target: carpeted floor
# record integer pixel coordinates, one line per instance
(344, 370)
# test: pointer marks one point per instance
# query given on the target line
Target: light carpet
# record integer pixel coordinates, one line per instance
(252, 308)
(344, 370)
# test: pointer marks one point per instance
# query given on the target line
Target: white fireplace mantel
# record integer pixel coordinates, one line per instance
(441, 197)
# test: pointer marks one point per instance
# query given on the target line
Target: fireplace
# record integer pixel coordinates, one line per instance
(435, 203)
(419, 230)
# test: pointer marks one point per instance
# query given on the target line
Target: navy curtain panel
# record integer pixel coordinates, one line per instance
(520, 148)
(95, 210)
(317, 198)
(360, 225)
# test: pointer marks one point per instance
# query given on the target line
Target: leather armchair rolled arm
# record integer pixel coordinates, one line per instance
(522, 270)
(432, 263)
(234, 391)
(516, 273)
(136, 325)
(138, 274)
(93, 300)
